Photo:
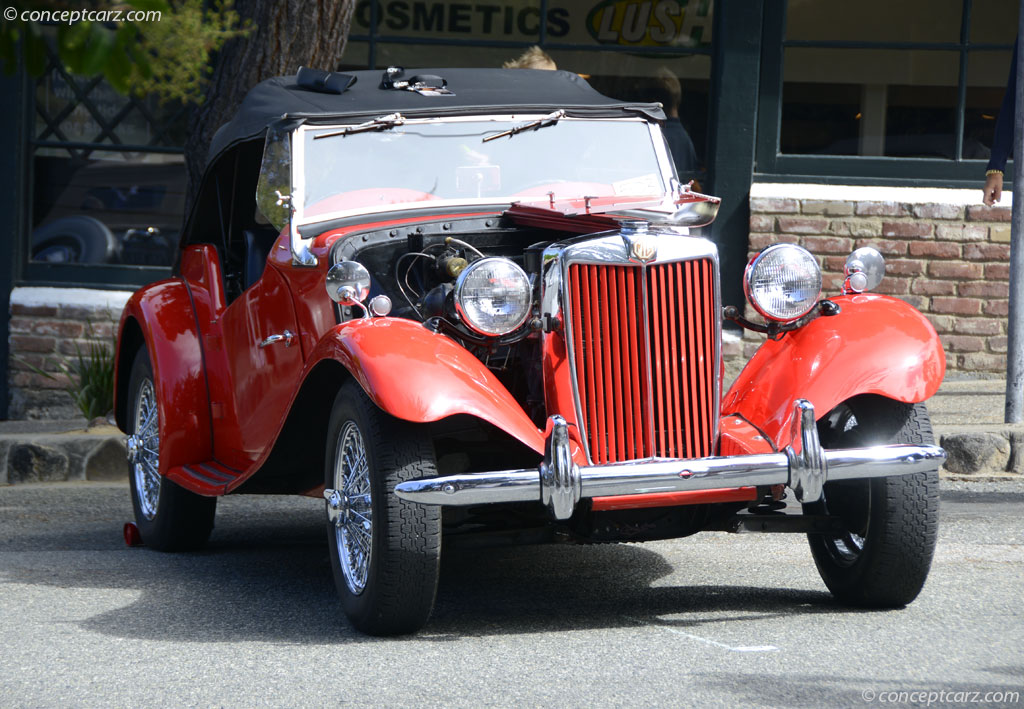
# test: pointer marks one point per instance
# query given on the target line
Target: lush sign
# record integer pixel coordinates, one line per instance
(651, 23)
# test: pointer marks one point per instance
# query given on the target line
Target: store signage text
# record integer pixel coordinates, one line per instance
(462, 18)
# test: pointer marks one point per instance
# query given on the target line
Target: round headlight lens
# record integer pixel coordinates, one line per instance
(492, 296)
(783, 282)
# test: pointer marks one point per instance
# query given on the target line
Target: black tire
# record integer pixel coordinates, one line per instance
(884, 560)
(392, 594)
(169, 517)
(78, 239)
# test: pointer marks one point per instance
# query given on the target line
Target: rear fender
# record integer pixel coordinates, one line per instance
(421, 376)
(161, 318)
(875, 345)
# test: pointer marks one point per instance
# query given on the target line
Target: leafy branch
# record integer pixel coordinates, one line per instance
(169, 56)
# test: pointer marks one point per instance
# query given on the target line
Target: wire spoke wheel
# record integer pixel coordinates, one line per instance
(146, 456)
(169, 517)
(354, 525)
(385, 552)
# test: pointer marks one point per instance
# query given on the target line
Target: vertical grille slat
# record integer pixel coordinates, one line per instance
(622, 367)
(705, 371)
(694, 428)
(675, 424)
(638, 370)
(645, 384)
(597, 402)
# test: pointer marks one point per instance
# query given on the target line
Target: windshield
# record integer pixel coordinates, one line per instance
(425, 161)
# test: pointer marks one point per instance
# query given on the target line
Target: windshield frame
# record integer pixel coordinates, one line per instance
(298, 187)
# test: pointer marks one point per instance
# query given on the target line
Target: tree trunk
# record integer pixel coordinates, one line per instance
(284, 36)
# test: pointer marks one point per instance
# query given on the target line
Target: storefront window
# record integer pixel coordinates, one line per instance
(875, 20)
(883, 79)
(108, 175)
(869, 102)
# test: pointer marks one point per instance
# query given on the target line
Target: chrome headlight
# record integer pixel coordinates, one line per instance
(493, 296)
(783, 282)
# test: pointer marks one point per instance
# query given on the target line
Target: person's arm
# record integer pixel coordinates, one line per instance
(1002, 142)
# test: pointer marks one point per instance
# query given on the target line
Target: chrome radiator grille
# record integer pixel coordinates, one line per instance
(644, 352)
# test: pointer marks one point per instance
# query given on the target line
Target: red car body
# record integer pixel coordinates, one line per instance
(616, 407)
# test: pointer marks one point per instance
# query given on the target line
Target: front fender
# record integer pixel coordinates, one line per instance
(421, 376)
(163, 313)
(875, 345)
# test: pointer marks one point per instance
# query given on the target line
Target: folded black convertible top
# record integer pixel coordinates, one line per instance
(472, 90)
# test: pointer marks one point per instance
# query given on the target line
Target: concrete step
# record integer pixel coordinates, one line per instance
(52, 451)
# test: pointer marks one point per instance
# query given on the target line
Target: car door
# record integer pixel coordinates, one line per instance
(264, 361)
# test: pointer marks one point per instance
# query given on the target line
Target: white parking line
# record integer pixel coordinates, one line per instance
(706, 641)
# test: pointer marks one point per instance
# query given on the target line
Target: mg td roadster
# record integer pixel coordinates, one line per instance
(467, 306)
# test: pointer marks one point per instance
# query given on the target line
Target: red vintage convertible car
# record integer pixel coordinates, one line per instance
(466, 305)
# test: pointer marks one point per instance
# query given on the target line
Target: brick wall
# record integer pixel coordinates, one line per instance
(950, 259)
(46, 325)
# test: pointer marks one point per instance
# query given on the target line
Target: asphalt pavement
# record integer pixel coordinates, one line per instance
(712, 620)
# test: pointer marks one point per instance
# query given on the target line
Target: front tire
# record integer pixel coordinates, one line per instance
(169, 517)
(885, 557)
(385, 552)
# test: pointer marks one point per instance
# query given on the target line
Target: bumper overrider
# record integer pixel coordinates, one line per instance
(559, 483)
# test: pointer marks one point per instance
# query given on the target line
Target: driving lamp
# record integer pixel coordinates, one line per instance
(864, 270)
(783, 282)
(348, 283)
(493, 296)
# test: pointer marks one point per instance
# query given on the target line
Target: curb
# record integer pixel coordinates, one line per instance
(973, 450)
(979, 452)
(96, 454)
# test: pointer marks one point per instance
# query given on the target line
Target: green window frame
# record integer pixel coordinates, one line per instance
(771, 164)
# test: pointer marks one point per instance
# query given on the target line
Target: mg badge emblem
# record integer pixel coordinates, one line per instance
(644, 248)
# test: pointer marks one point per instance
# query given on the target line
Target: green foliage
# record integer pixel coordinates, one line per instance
(90, 377)
(169, 56)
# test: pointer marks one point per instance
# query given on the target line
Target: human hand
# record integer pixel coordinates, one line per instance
(993, 188)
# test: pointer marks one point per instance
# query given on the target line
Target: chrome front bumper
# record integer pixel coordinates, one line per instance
(559, 483)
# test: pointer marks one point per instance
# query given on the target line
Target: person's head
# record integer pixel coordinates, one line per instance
(667, 90)
(532, 58)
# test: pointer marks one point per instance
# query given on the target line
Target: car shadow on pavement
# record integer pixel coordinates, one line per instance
(267, 577)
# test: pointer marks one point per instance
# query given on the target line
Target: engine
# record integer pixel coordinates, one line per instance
(474, 280)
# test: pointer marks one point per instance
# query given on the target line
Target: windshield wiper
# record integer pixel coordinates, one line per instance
(548, 120)
(380, 123)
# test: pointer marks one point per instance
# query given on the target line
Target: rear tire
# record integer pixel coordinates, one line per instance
(884, 559)
(385, 552)
(169, 517)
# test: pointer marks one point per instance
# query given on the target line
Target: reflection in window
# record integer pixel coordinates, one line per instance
(108, 173)
(126, 211)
